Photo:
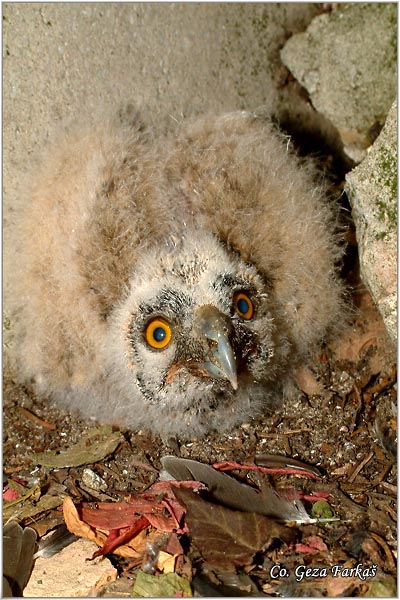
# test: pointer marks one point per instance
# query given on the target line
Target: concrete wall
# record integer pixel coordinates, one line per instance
(64, 59)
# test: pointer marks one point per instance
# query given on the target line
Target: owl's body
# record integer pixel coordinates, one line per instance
(172, 280)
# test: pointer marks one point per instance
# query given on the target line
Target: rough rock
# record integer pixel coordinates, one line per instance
(372, 191)
(69, 574)
(347, 61)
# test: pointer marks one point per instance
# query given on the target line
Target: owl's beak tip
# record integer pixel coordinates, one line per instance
(222, 370)
(234, 383)
(221, 360)
(231, 376)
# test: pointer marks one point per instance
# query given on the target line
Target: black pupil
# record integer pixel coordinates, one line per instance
(243, 306)
(159, 334)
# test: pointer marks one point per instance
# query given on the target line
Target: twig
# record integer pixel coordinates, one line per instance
(385, 547)
(289, 432)
(32, 417)
(359, 467)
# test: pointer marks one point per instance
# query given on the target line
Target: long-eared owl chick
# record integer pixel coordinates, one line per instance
(172, 280)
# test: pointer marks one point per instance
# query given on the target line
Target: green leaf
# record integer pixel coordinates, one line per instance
(321, 510)
(383, 588)
(160, 586)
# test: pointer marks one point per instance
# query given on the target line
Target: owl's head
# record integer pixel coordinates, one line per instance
(197, 330)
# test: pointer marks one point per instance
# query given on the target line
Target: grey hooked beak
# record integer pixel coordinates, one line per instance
(216, 327)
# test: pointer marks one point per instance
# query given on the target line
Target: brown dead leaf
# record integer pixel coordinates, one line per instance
(173, 545)
(166, 562)
(30, 506)
(10, 495)
(367, 330)
(343, 471)
(43, 526)
(337, 586)
(110, 515)
(163, 512)
(307, 382)
(228, 538)
(311, 545)
(113, 525)
(75, 524)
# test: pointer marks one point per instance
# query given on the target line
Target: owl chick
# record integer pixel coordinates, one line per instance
(172, 280)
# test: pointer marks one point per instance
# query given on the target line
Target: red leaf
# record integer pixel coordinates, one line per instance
(314, 541)
(112, 515)
(117, 537)
(304, 549)
(9, 495)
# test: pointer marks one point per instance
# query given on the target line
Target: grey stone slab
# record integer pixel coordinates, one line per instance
(347, 61)
(372, 191)
(64, 60)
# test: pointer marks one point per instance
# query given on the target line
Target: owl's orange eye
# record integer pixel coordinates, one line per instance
(158, 333)
(243, 305)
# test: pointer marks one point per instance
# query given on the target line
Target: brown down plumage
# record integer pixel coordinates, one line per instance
(172, 280)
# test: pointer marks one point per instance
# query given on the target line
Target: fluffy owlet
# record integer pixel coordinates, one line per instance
(172, 280)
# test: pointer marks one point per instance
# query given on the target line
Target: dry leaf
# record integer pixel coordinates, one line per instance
(10, 495)
(337, 586)
(308, 383)
(99, 443)
(368, 330)
(227, 538)
(132, 549)
(169, 585)
(166, 562)
(161, 510)
(24, 508)
(115, 525)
